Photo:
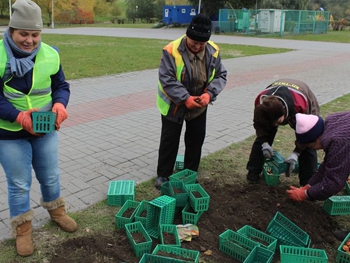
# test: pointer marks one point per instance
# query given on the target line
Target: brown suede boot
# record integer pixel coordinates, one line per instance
(22, 231)
(58, 214)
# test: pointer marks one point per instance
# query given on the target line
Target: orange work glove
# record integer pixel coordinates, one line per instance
(24, 119)
(305, 187)
(61, 114)
(193, 102)
(204, 99)
(298, 194)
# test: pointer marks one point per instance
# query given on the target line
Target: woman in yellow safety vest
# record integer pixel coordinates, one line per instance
(32, 79)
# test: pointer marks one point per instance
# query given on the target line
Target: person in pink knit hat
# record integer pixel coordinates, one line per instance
(333, 137)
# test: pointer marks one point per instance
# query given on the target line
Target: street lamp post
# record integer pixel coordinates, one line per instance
(52, 15)
(137, 7)
(256, 14)
(199, 6)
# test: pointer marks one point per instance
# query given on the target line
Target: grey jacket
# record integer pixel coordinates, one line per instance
(178, 92)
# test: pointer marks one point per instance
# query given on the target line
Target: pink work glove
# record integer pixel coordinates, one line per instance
(61, 114)
(193, 102)
(204, 99)
(24, 119)
(298, 194)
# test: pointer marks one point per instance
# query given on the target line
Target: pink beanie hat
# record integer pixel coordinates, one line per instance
(308, 127)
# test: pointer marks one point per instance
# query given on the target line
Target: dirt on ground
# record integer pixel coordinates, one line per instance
(232, 206)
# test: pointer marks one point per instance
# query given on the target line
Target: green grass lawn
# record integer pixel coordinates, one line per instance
(112, 55)
(331, 36)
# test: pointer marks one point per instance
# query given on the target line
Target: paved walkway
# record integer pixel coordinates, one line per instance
(113, 128)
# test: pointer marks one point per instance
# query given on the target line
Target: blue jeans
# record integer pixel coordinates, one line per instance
(17, 158)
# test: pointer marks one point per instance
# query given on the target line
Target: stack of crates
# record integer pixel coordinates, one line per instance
(160, 210)
(286, 232)
(196, 206)
(120, 191)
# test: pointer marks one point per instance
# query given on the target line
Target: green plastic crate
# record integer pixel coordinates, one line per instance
(347, 188)
(270, 176)
(236, 245)
(201, 203)
(286, 232)
(160, 210)
(292, 254)
(265, 240)
(141, 247)
(168, 189)
(187, 176)
(149, 258)
(43, 121)
(120, 219)
(337, 205)
(169, 229)
(190, 217)
(277, 162)
(259, 255)
(342, 256)
(180, 162)
(142, 207)
(120, 191)
(296, 167)
(186, 254)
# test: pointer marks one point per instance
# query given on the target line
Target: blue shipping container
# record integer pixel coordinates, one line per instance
(179, 15)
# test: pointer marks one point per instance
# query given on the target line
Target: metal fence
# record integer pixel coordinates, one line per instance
(272, 21)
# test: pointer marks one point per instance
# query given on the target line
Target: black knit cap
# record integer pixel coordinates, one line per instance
(200, 28)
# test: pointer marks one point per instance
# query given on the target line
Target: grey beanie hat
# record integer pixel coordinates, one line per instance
(26, 15)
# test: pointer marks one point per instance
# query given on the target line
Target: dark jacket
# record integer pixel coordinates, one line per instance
(297, 98)
(334, 170)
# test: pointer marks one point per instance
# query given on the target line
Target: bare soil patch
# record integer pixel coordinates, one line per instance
(232, 206)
